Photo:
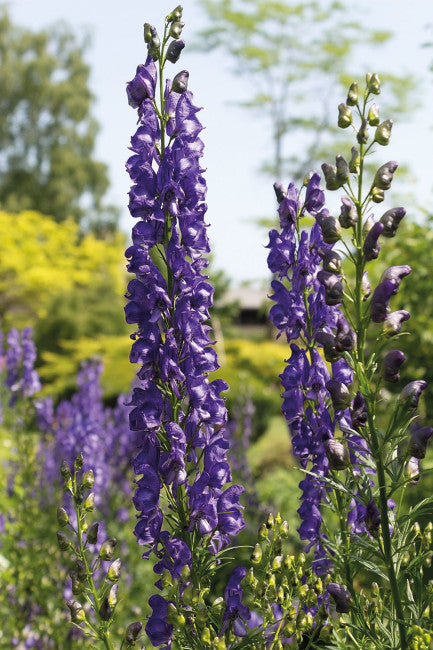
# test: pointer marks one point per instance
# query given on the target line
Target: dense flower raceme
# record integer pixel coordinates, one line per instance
(83, 424)
(17, 361)
(177, 412)
(307, 309)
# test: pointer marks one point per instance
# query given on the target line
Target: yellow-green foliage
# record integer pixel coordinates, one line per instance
(59, 370)
(252, 368)
(40, 258)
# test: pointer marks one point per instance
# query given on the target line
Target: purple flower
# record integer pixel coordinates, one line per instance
(391, 365)
(157, 628)
(419, 437)
(371, 243)
(236, 613)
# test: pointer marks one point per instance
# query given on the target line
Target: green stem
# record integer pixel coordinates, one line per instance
(386, 537)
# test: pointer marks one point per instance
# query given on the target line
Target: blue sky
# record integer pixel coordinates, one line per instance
(237, 192)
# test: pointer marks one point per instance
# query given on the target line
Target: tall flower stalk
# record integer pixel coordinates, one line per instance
(356, 464)
(186, 512)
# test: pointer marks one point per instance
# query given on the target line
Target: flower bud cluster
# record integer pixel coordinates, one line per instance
(93, 586)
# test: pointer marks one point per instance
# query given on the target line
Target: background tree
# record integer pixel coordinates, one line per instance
(47, 132)
(293, 57)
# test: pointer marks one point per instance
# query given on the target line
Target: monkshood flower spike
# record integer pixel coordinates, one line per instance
(354, 462)
(187, 512)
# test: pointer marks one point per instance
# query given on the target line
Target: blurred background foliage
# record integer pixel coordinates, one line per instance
(65, 276)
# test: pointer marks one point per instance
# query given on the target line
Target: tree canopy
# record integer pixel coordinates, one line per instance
(47, 131)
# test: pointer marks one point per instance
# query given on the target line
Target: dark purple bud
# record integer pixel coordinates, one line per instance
(62, 541)
(393, 321)
(419, 437)
(384, 175)
(280, 191)
(341, 596)
(346, 337)
(105, 610)
(358, 411)
(180, 82)
(362, 135)
(339, 393)
(174, 50)
(331, 180)
(92, 533)
(371, 243)
(331, 261)
(395, 274)
(348, 213)
(343, 172)
(329, 343)
(391, 219)
(379, 305)
(333, 287)
(411, 393)
(133, 632)
(365, 286)
(330, 227)
(338, 454)
(391, 365)
(372, 517)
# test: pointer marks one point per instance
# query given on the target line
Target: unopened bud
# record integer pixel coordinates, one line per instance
(373, 115)
(62, 541)
(344, 116)
(176, 29)
(331, 180)
(147, 32)
(362, 135)
(64, 470)
(263, 532)
(330, 227)
(340, 394)
(112, 596)
(355, 161)
(105, 611)
(338, 454)
(373, 83)
(377, 195)
(106, 551)
(270, 522)
(154, 45)
(79, 462)
(77, 612)
(384, 175)
(89, 503)
(62, 517)
(113, 572)
(383, 132)
(180, 82)
(176, 14)
(352, 97)
(391, 365)
(343, 173)
(257, 554)
(341, 596)
(92, 533)
(133, 632)
(411, 393)
(174, 50)
(88, 480)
